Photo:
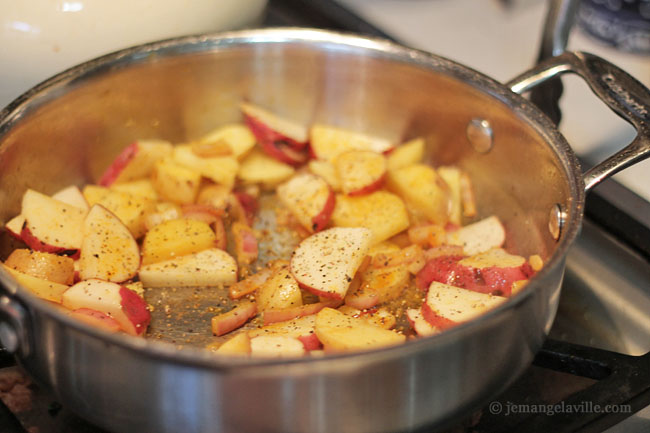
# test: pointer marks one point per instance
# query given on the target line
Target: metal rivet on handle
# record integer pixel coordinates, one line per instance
(12, 324)
(479, 133)
(556, 221)
(8, 337)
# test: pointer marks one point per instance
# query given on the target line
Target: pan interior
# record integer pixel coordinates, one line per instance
(70, 132)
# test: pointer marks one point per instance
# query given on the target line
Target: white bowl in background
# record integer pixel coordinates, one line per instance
(40, 38)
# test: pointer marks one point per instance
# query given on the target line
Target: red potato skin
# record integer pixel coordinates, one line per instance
(201, 216)
(249, 243)
(283, 154)
(122, 160)
(494, 280)
(273, 316)
(246, 248)
(96, 318)
(451, 227)
(295, 156)
(439, 322)
(249, 204)
(504, 277)
(310, 341)
(34, 243)
(272, 150)
(135, 309)
(320, 221)
(189, 209)
(233, 319)
(437, 269)
(311, 153)
(367, 311)
(212, 216)
(328, 295)
(412, 323)
(362, 301)
(263, 132)
(372, 187)
(274, 144)
(37, 245)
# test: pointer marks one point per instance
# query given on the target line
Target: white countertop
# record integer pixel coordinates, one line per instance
(503, 43)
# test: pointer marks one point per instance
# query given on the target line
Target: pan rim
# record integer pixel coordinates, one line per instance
(207, 43)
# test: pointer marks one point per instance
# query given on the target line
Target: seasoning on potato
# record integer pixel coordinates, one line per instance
(324, 239)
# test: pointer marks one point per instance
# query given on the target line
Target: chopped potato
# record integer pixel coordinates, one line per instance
(308, 240)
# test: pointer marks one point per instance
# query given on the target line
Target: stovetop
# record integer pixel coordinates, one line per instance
(597, 357)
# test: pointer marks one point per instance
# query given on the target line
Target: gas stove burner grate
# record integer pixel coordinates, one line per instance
(607, 379)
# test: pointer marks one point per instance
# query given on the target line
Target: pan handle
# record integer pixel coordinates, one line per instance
(626, 96)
